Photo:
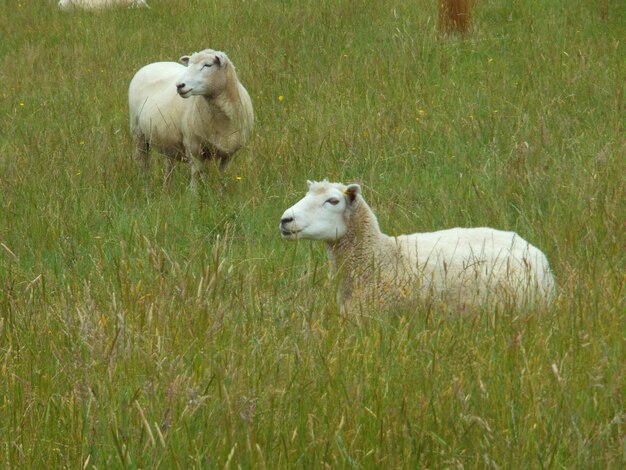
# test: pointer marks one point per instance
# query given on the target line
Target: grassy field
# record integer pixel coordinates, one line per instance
(165, 330)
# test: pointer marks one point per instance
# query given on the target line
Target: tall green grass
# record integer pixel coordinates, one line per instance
(165, 330)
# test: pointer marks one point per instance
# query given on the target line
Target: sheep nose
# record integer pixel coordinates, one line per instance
(286, 220)
(180, 86)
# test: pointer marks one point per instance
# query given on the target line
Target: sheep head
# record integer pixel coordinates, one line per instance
(321, 214)
(205, 75)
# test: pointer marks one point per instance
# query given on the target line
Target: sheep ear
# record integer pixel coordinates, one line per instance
(220, 59)
(309, 183)
(184, 60)
(352, 191)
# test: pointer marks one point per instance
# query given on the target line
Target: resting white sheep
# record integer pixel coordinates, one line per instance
(96, 4)
(197, 111)
(462, 267)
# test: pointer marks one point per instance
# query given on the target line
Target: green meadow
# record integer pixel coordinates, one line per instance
(144, 326)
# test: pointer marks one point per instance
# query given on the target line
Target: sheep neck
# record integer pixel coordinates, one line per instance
(223, 116)
(224, 102)
(360, 249)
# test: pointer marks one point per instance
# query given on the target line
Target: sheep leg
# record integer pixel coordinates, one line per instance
(197, 172)
(169, 170)
(224, 161)
(141, 153)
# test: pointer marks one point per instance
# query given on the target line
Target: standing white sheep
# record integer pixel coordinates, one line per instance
(97, 4)
(197, 112)
(462, 267)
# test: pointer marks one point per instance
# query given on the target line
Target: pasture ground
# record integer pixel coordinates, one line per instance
(164, 330)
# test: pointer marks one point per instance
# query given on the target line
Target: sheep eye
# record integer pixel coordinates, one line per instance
(333, 200)
(207, 65)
